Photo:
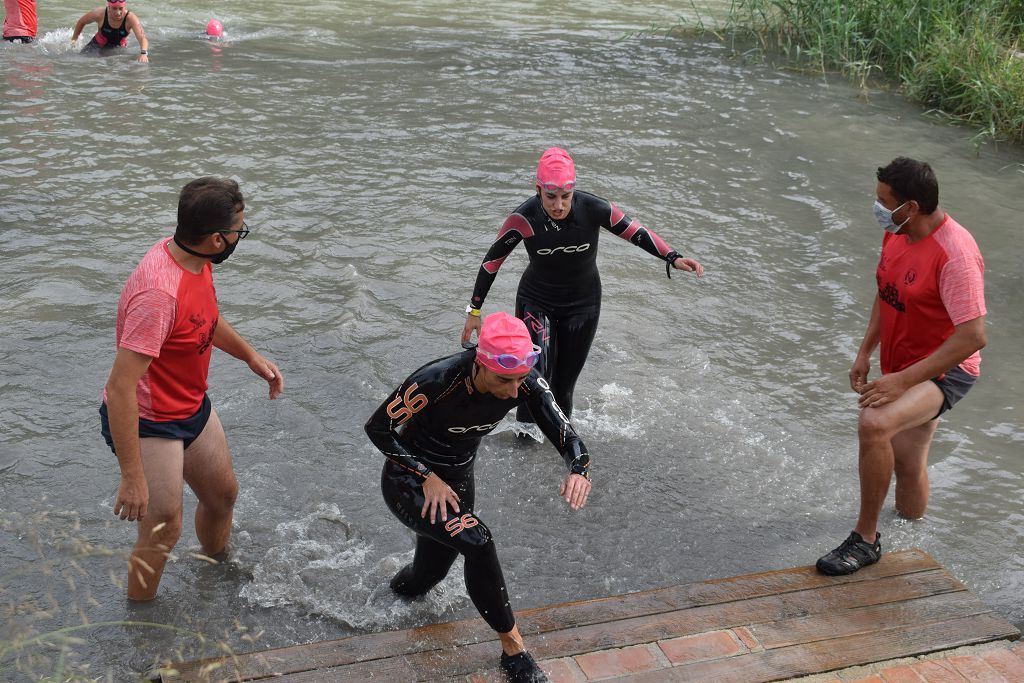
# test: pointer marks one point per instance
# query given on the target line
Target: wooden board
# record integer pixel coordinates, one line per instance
(804, 623)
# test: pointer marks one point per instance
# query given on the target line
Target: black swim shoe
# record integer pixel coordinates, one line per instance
(852, 554)
(522, 668)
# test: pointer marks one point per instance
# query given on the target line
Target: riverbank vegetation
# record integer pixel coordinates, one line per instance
(963, 58)
(45, 603)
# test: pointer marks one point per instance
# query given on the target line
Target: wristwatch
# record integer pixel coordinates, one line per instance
(472, 311)
(143, 52)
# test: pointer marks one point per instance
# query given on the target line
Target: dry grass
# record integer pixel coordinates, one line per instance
(45, 605)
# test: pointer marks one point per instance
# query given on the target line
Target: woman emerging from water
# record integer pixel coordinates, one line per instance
(559, 295)
(115, 22)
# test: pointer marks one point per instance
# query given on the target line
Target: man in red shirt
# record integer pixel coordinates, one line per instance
(929, 319)
(155, 415)
(20, 21)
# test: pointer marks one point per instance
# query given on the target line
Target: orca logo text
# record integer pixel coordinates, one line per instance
(474, 428)
(571, 249)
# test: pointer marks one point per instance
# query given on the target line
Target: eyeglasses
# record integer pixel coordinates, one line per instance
(242, 234)
(510, 361)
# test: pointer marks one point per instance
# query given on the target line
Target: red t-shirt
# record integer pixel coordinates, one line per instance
(170, 314)
(20, 18)
(925, 288)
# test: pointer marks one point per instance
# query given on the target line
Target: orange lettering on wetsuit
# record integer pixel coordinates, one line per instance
(459, 524)
(404, 407)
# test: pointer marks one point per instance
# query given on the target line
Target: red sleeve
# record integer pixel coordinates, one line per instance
(148, 320)
(962, 278)
(962, 288)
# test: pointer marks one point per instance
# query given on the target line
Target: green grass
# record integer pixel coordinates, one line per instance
(961, 57)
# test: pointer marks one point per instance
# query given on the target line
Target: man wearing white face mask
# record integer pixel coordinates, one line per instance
(929, 319)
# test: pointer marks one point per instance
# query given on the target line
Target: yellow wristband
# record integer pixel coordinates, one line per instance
(472, 311)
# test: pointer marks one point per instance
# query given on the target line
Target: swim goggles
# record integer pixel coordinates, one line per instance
(551, 187)
(510, 361)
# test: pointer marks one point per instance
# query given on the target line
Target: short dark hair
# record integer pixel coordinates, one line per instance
(207, 205)
(911, 180)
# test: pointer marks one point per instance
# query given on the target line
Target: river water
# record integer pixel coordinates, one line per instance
(379, 151)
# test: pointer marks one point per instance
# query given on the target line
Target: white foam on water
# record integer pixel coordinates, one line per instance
(612, 412)
(320, 565)
(58, 41)
(510, 424)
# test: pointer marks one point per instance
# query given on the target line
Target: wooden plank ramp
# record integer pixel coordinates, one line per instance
(759, 627)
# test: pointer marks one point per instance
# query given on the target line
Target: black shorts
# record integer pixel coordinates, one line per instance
(187, 430)
(24, 40)
(954, 385)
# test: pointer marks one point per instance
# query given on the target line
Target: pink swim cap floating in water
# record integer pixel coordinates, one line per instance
(214, 29)
(556, 170)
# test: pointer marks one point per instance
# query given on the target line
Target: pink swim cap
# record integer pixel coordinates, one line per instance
(556, 170)
(505, 346)
(214, 28)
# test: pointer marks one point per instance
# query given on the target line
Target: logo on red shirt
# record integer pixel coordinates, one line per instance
(890, 295)
(205, 338)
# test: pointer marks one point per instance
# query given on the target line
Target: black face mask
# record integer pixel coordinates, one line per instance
(229, 248)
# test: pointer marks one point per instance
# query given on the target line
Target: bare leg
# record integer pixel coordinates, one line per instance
(512, 642)
(910, 448)
(877, 428)
(160, 529)
(207, 469)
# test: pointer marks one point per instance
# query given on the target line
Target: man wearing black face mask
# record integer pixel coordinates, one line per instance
(155, 415)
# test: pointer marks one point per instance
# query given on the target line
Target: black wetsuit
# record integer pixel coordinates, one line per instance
(433, 423)
(108, 37)
(559, 294)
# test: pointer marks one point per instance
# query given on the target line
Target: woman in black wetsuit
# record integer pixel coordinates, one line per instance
(115, 22)
(429, 429)
(559, 294)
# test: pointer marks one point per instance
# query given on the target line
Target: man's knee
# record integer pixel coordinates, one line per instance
(873, 426)
(160, 532)
(218, 493)
(222, 500)
(230, 493)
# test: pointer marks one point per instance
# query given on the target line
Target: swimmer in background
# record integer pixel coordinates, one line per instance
(559, 295)
(115, 22)
(214, 30)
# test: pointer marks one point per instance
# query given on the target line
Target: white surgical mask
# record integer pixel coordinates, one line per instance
(884, 217)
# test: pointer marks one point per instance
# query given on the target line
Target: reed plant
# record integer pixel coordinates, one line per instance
(45, 606)
(961, 57)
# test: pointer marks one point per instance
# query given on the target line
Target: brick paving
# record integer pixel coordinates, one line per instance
(757, 627)
(999, 662)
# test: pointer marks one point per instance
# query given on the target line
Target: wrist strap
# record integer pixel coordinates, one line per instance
(670, 258)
